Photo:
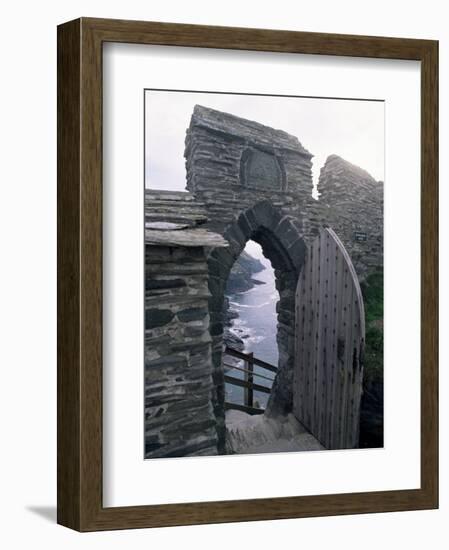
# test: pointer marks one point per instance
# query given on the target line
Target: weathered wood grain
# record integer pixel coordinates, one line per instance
(327, 405)
(69, 407)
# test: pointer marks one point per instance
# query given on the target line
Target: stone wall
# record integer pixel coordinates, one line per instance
(233, 163)
(255, 183)
(283, 245)
(351, 203)
(245, 181)
(179, 389)
(179, 417)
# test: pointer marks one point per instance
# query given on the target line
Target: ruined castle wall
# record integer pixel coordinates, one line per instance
(179, 415)
(351, 202)
(233, 163)
(255, 182)
(218, 146)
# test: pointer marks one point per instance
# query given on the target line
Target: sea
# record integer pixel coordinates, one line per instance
(256, 325)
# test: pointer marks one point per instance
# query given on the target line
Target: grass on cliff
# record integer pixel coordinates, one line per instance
(373, 298)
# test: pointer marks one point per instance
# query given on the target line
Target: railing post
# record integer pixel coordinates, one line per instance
(250, 379)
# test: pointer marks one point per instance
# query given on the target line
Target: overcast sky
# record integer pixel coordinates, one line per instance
(351, 129)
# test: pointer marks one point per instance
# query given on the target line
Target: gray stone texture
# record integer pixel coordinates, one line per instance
(244, 181)
(229, 163)
(179, 386)
(352, 204)
(179, 418)
(255, 183)
(217, 142)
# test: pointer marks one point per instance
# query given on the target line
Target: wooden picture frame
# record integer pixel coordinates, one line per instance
(80, 351)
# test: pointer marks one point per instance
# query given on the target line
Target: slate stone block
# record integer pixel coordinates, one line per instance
(245, 226)
(192, 314)
(158, 284)
(157, 317)
(266, 215)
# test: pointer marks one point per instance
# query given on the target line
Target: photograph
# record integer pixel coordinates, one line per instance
(247, 257)
(263, 273)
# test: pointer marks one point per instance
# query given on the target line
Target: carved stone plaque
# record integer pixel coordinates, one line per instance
(262, 170)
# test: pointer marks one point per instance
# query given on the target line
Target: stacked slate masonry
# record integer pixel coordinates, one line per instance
(350, 200)
(233, 163)
(352, 204)
(244, 181)
(255, 183)
(179, 415)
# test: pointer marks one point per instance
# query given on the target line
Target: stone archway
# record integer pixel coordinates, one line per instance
(282, 243)
(244, 181)
(255, 182)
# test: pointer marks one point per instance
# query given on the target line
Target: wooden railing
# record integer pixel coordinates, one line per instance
(247, 383)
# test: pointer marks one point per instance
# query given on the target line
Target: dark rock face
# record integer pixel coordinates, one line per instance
(229, 337)
(372, 405)
(240, 280)
(372, 415)
(241, 276)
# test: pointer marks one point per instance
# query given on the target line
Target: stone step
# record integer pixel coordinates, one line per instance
(246, 434)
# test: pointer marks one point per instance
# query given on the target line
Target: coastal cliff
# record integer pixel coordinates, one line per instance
(240, 280)
(241, 276)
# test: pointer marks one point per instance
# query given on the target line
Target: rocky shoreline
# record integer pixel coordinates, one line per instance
(240, 280)
(241, 276)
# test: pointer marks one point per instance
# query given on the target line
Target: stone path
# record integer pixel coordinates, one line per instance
(247, 434)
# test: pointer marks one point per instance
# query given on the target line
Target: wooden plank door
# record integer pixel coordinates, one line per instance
(329, 344)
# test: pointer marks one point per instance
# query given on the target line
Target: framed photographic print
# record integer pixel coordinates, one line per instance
(247, 288)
